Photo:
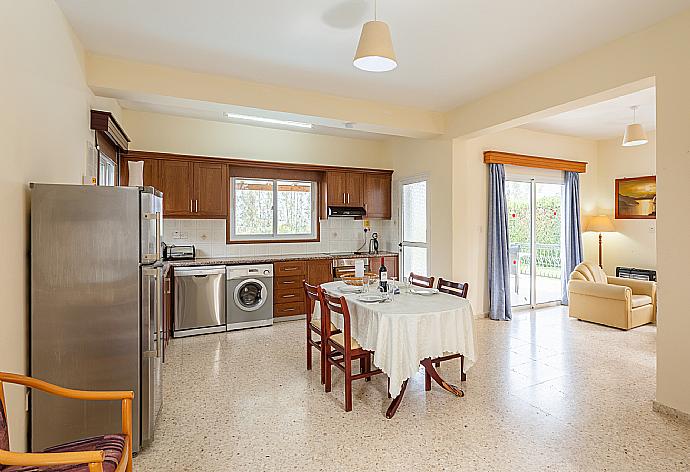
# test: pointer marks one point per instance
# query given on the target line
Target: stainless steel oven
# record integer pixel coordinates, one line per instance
(346, 266)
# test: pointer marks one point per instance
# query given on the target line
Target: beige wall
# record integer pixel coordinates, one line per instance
(470, 195)
(660, 52)
(44, 129)
(634, 242)
(433, 158)
(167, 133)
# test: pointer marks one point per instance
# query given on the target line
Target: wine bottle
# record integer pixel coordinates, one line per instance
(383, 277)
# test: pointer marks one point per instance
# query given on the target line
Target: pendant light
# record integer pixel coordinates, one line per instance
(375, 49)
(634, 133)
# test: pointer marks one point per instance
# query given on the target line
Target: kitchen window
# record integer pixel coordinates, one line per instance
(106, 170)
(273, 210)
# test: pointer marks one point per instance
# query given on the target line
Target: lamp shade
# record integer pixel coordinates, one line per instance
(375, 49)
(634, 135)
(600, 224)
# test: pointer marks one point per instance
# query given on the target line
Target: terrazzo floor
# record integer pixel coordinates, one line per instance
(548, 393)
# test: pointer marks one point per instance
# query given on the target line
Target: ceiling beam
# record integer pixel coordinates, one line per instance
(120, 78)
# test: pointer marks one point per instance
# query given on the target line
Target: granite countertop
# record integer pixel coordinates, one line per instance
(266, 259)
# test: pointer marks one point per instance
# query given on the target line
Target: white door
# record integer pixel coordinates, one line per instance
(414, 226)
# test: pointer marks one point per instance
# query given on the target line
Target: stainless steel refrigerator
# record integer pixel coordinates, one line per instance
(96, 308)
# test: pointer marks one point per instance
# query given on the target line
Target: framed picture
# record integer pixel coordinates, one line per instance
(636, 198)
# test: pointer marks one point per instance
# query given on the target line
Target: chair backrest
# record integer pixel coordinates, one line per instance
(589, 273)
(4, 430)
(312, 293)
(337, 305)
(454, 288)
(420, 280)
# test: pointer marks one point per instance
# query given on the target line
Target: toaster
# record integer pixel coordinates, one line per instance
(179, 253)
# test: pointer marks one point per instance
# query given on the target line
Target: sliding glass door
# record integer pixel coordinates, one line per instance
(534, 234)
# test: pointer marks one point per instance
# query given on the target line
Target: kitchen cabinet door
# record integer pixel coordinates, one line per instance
(355, 189)
(151, 172)
(319, 271)
(336, 184)
(210, 190)
(176, 184)
(377, 195)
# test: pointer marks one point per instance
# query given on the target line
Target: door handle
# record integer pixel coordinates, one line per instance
(344, 198)
(196, 206)
(348, 197)
(289, 296)
(191, 206)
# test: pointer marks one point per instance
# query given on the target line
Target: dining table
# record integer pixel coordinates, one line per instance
(410, 328)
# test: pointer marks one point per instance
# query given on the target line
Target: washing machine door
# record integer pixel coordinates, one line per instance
(250, 294)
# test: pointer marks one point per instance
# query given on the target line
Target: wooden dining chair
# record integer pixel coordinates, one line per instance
(316, 327)
(420, 280)
(459, 290)
(108, 453)
(341, 349)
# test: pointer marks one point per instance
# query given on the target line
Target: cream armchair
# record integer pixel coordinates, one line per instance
(611, 301)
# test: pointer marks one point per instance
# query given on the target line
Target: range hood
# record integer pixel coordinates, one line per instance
(345, 211)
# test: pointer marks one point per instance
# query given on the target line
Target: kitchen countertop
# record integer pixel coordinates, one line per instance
(267, 259)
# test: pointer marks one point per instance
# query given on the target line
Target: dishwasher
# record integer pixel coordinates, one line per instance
(199, 300)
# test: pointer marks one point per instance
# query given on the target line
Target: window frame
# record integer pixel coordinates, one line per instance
(314, 236)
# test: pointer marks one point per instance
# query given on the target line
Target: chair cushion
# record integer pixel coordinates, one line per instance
(317, 324)
(589, 272)
(112, 445)
(641, 300)
(339, 339)
(4, 432)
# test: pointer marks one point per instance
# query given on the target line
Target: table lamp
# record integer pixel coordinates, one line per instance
(600, 224)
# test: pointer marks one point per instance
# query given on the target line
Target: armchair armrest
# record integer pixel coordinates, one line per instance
(638, 287)
(593, 289)
(40, 459)
(64, 392)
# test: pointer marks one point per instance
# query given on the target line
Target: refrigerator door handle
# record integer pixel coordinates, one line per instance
(159, 315)
(153, 273)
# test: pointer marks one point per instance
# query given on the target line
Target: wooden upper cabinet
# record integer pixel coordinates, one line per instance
(151, 171)
(345, 189)
(336, 183)
(176, 184)
(210, 190)
(377, 195)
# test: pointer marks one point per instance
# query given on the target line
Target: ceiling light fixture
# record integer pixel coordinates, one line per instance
(634, 133)
(272, 121)
(375, 48)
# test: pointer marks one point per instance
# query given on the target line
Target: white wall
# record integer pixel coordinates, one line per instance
(44, 129)
(634, 242)
(174, 134)
(470, 195)
(433, 158)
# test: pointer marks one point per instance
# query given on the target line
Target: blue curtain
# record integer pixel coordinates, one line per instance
(499, 266)
(573, 237)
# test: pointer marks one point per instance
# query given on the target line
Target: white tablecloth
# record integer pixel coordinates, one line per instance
(409, 329)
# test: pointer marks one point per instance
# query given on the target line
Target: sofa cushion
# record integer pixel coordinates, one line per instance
(589, 272)
(641, 300)
(113, 446)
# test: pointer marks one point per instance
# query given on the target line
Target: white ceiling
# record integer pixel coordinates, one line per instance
(603, 120)
(449, 51)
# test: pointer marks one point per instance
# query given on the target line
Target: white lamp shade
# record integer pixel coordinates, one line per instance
(600, 224)
(375, 49)
(634, 135)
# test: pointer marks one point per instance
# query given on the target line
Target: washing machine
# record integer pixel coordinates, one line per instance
(249, 298)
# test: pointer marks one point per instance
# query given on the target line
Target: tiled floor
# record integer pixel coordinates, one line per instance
(548, 393)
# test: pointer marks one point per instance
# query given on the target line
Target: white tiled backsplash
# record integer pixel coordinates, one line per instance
(337, 235)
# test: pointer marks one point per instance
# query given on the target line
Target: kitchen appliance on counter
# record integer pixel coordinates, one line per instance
(178, 253)
(250, 296)
(96, 308)
(199, 300)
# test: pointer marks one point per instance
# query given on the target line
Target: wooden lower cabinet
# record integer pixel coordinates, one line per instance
(391, 264)
(288, 291)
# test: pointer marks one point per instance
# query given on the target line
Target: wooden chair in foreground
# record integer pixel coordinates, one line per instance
(316, 327)
(459, 290)
(420, 280)
(110, 453)
(345, 349)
